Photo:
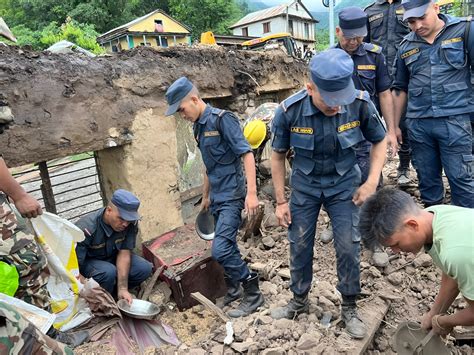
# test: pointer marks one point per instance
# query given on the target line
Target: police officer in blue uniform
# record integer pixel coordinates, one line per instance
(106, 252)
(323, 124)
(370, 74)
(386, 28)
(433, 83)
(223, 146)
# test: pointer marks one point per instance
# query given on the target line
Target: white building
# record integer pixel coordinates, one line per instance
(293, 18)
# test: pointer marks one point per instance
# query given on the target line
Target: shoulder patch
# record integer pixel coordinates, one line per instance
(372, 48)
(217, 111)
(400, 11)
(363, 95)
(375, 17)
(300, 95)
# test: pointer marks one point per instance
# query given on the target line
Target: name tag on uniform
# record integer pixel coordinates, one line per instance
(400, 11)
(375, 17)
(302, 130)
(211, 134)
(348, 126)
(451, 40)
(366, 67)
(410, 53)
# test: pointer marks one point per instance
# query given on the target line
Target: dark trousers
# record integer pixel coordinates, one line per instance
(105, 272)
(443, 143)
(224, 246)
(405, 151)
(344, 217)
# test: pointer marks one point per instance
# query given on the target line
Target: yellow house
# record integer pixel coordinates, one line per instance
(156, 29)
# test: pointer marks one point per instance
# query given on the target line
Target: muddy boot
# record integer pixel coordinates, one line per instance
(354, 325)
(252, 299)
(379, 257)
(403, 177)
(234, 291)
(297, 305)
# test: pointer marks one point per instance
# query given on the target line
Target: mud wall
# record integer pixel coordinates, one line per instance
(67, 104)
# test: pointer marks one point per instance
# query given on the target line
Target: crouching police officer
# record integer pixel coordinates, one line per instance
(106, 252)
(222, 144)
(323, 124)
(433, 82)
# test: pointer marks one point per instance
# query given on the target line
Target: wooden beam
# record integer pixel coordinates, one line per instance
(209, 305)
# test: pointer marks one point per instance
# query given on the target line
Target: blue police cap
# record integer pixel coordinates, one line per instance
(176, 93)
(332, 71)
(353, 22)
(414, 8)
(127, 205)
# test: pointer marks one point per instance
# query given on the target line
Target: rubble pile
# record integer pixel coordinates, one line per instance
(408, 284)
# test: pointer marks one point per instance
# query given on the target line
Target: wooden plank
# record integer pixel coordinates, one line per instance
(151, 283)
(253, 224)
(372, 314)
(209, 305)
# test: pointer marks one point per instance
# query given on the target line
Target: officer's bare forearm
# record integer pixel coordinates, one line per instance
(123, 269)
(278, 175)
(205, 186)
(388, 113)
(399, 103)
(377, 160)
(250, 173)
(8, 184)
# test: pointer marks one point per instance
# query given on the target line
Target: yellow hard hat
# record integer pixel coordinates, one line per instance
(255, 133)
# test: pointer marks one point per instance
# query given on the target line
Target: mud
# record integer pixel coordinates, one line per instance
(68, 103)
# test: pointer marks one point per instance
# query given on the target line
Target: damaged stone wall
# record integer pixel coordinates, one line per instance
(68, 104)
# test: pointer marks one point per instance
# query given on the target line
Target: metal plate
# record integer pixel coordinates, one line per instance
(205, 225)
(139, 309)
(408, 341)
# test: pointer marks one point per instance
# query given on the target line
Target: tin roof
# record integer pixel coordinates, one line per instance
(264, 14)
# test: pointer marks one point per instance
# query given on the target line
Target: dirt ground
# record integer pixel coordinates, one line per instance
(409, 283)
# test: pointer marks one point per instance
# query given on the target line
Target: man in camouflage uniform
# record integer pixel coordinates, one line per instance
(17, 244)
(19, 336)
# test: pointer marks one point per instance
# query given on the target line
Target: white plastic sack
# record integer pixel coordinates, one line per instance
(39, 317)
(57, 238)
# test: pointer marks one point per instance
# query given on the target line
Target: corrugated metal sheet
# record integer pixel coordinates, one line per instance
(261, 15)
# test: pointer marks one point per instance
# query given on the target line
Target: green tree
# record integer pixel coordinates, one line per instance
(206, 15)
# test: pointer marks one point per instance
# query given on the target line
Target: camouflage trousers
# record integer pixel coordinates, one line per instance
(18, 248)
(19, 336)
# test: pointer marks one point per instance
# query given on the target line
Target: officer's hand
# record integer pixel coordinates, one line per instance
(205, 203)
(363, 193)
(392, 143)
(123, 294)
(251, 204)
(28, 206)
(283, 215)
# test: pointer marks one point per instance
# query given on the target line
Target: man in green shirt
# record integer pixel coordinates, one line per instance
(391, 218)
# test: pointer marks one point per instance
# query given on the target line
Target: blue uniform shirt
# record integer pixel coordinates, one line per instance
(437, 76)
(325, 160)
(102, 242)
(386, 28)
(222, 143)
(370, 70)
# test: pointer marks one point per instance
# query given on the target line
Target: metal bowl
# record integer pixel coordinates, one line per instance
(139, 309)
(205, 225)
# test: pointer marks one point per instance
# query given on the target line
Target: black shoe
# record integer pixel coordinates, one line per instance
(234, 291)
(252, 299)
(296, 306)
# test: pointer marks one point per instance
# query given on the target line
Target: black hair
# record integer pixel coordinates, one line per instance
(382, 215)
